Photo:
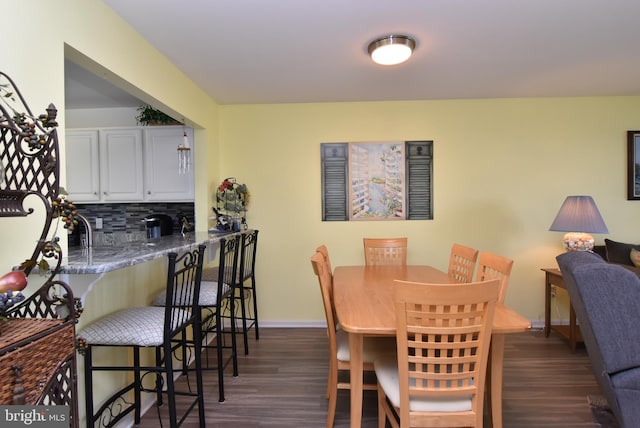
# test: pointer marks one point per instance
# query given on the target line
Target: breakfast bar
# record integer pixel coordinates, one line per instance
(84, 267)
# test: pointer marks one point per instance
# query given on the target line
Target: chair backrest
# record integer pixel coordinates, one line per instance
(385, 251)
(227, 265)
(325, 279)
(184, 276)
(462, 263)
(248, 255)
(325, 253)
(443, 336)
(493, 266)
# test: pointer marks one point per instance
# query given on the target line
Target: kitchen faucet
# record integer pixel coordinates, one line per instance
(87, 230)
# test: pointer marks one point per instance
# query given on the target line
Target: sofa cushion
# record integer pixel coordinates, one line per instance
(619, 252)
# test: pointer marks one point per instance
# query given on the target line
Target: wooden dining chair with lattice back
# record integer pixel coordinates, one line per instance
(443, 334)
(339, 341)
(325, 253)
(494, 266)
(462, 263)
(385, 251)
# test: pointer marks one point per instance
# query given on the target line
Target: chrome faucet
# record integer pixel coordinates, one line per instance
(87, 230)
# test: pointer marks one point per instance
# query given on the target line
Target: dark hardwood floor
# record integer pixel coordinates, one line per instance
(282, 384)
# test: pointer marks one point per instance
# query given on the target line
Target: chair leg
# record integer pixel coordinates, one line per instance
(234, 341)
(382, 404)
(137, 385)
(197, 335)
(88, 386)
(243, 311)
(220, 361)
(166, 361)
(332, 391)
(255, 308)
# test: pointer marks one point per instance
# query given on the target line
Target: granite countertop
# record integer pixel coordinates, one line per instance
(109, 258)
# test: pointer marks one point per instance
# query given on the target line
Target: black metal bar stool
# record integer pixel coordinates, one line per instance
(163, 328)
(247, 287)
(219, 347)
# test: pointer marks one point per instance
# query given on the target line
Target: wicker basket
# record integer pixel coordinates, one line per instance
(39, 347)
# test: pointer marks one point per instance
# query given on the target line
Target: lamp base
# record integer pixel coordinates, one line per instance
(578, 241)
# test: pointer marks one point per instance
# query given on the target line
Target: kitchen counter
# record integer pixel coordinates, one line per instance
(108, 258)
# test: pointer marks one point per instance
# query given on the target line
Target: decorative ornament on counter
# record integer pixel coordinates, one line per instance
(232, 202)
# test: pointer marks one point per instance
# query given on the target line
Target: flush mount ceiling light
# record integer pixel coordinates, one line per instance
(392, 49)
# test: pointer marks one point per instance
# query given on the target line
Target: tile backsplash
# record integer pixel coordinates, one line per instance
(119, 219)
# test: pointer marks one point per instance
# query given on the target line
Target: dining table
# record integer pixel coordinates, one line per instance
(363, 299)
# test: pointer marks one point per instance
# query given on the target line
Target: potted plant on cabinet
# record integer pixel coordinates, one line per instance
(148, 115)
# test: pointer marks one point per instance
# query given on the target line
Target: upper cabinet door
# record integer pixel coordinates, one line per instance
(163, 182)
(121, 172)
(82, 165)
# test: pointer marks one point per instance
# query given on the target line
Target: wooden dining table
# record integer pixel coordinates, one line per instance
(363, 299)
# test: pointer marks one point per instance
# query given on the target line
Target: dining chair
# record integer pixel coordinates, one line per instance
(492, 266)
(443, 334)
(325, 253)
(339, 341)
(385, 251)
(462, 263)
(161, 328)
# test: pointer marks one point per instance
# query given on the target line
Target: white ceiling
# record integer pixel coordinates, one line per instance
(296, 51)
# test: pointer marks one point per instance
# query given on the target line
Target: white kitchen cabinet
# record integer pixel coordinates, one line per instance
(135, 164)
(163, 183)
(121, 168)
(83, 165)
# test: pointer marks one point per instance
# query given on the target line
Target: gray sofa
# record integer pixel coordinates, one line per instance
(606, 298)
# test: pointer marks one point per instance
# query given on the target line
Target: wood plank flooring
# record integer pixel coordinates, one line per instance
(282, 384)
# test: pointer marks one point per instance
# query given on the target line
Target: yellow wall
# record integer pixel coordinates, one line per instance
(502, 168)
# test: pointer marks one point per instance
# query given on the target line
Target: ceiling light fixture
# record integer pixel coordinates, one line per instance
(392, 49)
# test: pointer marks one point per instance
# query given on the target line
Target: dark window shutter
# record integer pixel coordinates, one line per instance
(334, 181)
(419, 176)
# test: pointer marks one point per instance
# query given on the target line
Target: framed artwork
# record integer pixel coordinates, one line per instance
(633, 165)
(376, 177)
(389, 180)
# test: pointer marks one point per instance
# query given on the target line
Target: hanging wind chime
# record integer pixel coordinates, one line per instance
(184, 154)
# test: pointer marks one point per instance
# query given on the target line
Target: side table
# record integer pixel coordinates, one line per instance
(553, 277)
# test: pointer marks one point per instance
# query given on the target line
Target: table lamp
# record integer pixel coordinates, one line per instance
(578, 216)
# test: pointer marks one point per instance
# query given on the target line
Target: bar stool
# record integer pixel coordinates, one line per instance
(246, 289)
(163, 328)
(245, 297)
(214, 292)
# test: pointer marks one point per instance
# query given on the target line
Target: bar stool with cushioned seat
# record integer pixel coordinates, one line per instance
(246, 299)
(247, 287)
(165, 330)
(211, 304)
